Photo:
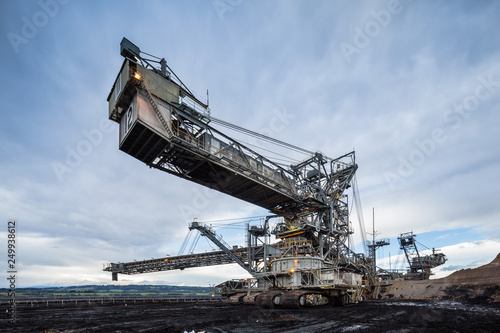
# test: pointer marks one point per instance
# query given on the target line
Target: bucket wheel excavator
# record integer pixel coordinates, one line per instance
(309, 262)
(419, 264)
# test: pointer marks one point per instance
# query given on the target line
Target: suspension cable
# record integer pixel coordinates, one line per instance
(195, 242)
(239, 128)
(185, 242)
(359, 211)
(260, 136)
(287, 158)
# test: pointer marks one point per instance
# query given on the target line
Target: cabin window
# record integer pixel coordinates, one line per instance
(118, 86)
(215, 146)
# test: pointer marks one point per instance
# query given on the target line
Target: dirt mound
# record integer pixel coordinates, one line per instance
(481, 284)
(489, 273)
(496, 260)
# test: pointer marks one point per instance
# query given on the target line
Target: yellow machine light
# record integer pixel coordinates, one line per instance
(292, 270)
(137, 75)
(296, 261)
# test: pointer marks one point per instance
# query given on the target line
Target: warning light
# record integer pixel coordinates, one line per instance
(137, 75)
(292, 270)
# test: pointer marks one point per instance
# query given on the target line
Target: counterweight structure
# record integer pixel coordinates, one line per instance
(163, 125)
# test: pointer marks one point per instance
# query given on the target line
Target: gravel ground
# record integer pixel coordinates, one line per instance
(375, 316)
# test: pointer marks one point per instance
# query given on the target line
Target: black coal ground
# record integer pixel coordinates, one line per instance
(388, 316)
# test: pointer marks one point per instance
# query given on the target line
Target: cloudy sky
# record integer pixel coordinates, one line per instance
(412, 86)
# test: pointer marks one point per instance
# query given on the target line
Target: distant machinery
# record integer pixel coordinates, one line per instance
(374, 245)
(311, 263)
(419, 265)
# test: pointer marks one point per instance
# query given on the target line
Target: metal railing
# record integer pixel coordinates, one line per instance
(172, 130)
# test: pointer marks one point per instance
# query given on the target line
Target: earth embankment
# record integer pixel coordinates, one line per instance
(481, 284)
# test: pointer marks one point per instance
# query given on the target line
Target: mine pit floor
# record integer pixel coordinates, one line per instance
(372, 316)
